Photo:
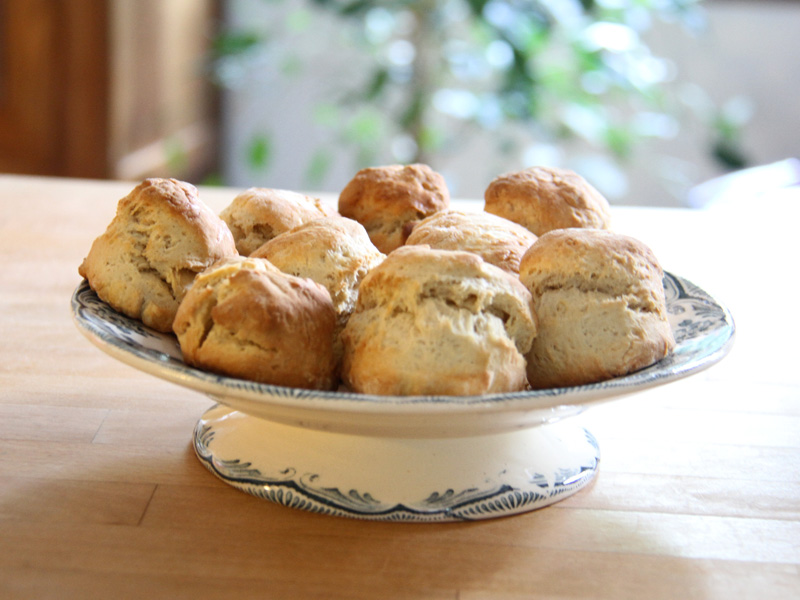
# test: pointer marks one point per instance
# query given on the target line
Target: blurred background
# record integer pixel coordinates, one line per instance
(645, 98)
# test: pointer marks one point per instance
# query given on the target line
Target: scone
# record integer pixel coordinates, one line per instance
(544, 198)
(161, 236)
(259, 214)
(496, 240)
(336, 252)
(599, 297)
(245, 318)
(389, 200)
(438, 322)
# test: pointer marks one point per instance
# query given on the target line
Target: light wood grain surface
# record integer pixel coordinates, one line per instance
(101, 496)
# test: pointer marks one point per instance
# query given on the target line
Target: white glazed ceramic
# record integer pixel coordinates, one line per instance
(422, 458)
(392, 478)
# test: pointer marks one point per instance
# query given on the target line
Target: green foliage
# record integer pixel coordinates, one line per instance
(232, 43)
(528, 70)
(259, 152)
(726, 143)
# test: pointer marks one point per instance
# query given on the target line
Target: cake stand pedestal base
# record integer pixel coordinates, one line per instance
(397, 479)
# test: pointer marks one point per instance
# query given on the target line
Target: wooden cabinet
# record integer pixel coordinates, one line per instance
(106, 88)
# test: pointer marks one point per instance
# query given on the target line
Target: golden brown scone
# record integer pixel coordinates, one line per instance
(389, 200)
(496, 240)
(259, 214)
(599, 297)
(245, 318)
(336, 252)
(161, 236)
(544, 198)
(438, 322)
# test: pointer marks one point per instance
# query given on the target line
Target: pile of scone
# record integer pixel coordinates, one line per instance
(395, 293)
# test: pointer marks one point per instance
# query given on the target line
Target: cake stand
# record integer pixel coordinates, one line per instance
(404, 458)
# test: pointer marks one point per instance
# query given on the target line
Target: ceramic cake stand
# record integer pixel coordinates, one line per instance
(418, 458)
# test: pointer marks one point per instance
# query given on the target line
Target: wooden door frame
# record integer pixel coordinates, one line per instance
(54, 74)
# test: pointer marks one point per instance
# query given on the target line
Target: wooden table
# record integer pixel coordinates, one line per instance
(101, 496)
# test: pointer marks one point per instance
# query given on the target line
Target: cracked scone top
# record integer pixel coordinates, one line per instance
(336, 252)
(545, 198)
(438, 322)
(257, 215)
(496, 240)
(245, 318)
(161, 236)
(389, 200)
(333, 251)
(599, 297)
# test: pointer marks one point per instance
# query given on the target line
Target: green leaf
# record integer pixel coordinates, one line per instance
(729, 154)
(259, 152)
(409, 120)
(378, 83)
(233, 43)
(619, 140)
(213, 179)
(476, 6)
(345, 9)
(726, 128)
(355, 8)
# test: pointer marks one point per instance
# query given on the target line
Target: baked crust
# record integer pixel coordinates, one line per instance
(259, 214)
(336, 252)
(389, 200)
(438, 322)
(496, 240)
(245, 318)
(544, 198)
(599, 297)
(161, 236)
